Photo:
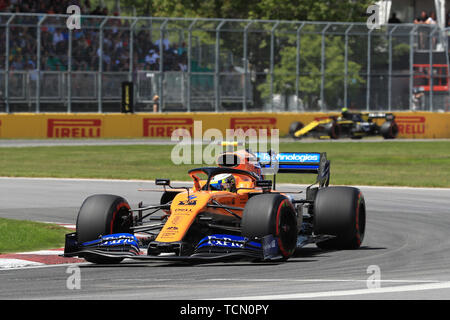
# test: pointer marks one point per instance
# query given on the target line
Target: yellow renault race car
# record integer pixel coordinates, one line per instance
(231, 212)
(348, 125)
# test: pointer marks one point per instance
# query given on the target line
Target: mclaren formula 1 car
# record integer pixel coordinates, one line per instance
(348, 125)
(232, 211)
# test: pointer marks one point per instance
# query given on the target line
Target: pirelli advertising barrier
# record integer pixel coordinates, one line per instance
(160, 125)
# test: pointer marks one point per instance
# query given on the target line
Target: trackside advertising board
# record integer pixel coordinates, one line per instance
(162, 125)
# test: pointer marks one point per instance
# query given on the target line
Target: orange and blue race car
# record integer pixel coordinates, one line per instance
(232, 211)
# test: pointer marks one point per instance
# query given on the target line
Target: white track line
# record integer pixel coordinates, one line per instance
(54, 252)
(17, 263)
(342, 293)
(39, 266)
(323, 280)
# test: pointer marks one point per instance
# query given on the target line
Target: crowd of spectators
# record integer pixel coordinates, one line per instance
(423, 18)
(86, 50)
(49, 6)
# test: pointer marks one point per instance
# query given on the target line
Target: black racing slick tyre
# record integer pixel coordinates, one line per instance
(271, 214)
(100, 215)
(294, 127)
(389, 130)
(341, 212)
(333, 130)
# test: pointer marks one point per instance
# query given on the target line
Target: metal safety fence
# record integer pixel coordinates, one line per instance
(219, 65)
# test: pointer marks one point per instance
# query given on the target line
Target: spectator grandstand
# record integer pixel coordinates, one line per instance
(86, 51)
(199, 64)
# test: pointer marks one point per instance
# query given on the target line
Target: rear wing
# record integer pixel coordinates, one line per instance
(296, 162)
(382, 115)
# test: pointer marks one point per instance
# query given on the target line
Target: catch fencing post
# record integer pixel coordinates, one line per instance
(131, 48)
(346, 66)
(411, 59)
(7, 108)
(189, 69)
(100, 68)
(369, 40)
(297, 63)
(244, 102)
(430, 56)
(69, 73)
(322, 70)
(390, 68)
(38, 66)
(446, 48)
(217, 66)
(272, 57)
(161, 65)
(131, 53)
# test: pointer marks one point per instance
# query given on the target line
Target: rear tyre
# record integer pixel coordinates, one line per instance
(100, 215)
(333, 130)
(294, 127)
(389, 130)
(341, 212)
(271, 214)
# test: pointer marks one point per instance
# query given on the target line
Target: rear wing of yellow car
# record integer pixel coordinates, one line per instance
(381, 115)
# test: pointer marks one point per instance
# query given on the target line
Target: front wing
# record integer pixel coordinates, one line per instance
(214, 248)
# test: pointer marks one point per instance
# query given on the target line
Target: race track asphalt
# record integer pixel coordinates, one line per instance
(406, 240)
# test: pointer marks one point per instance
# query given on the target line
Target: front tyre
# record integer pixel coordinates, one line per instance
(271, 214)
(333, 130)
(100, 215)
(294, 127)
(341, 212)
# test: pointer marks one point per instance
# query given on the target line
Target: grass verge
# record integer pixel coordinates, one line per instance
(417, 164)
(22, 236)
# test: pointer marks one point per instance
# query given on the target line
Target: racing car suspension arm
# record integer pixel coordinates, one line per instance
(140, 217)
(216, 204)
(227, 228)
(165, 206)
(148, 227)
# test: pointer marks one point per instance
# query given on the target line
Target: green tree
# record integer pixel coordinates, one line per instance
(259, 46)
(310, 70)
(302, 10)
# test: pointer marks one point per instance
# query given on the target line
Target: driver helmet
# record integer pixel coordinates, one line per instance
(345, 113)
(224, 182)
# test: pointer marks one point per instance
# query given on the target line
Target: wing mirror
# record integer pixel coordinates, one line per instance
(264, 184)
(162, 182)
